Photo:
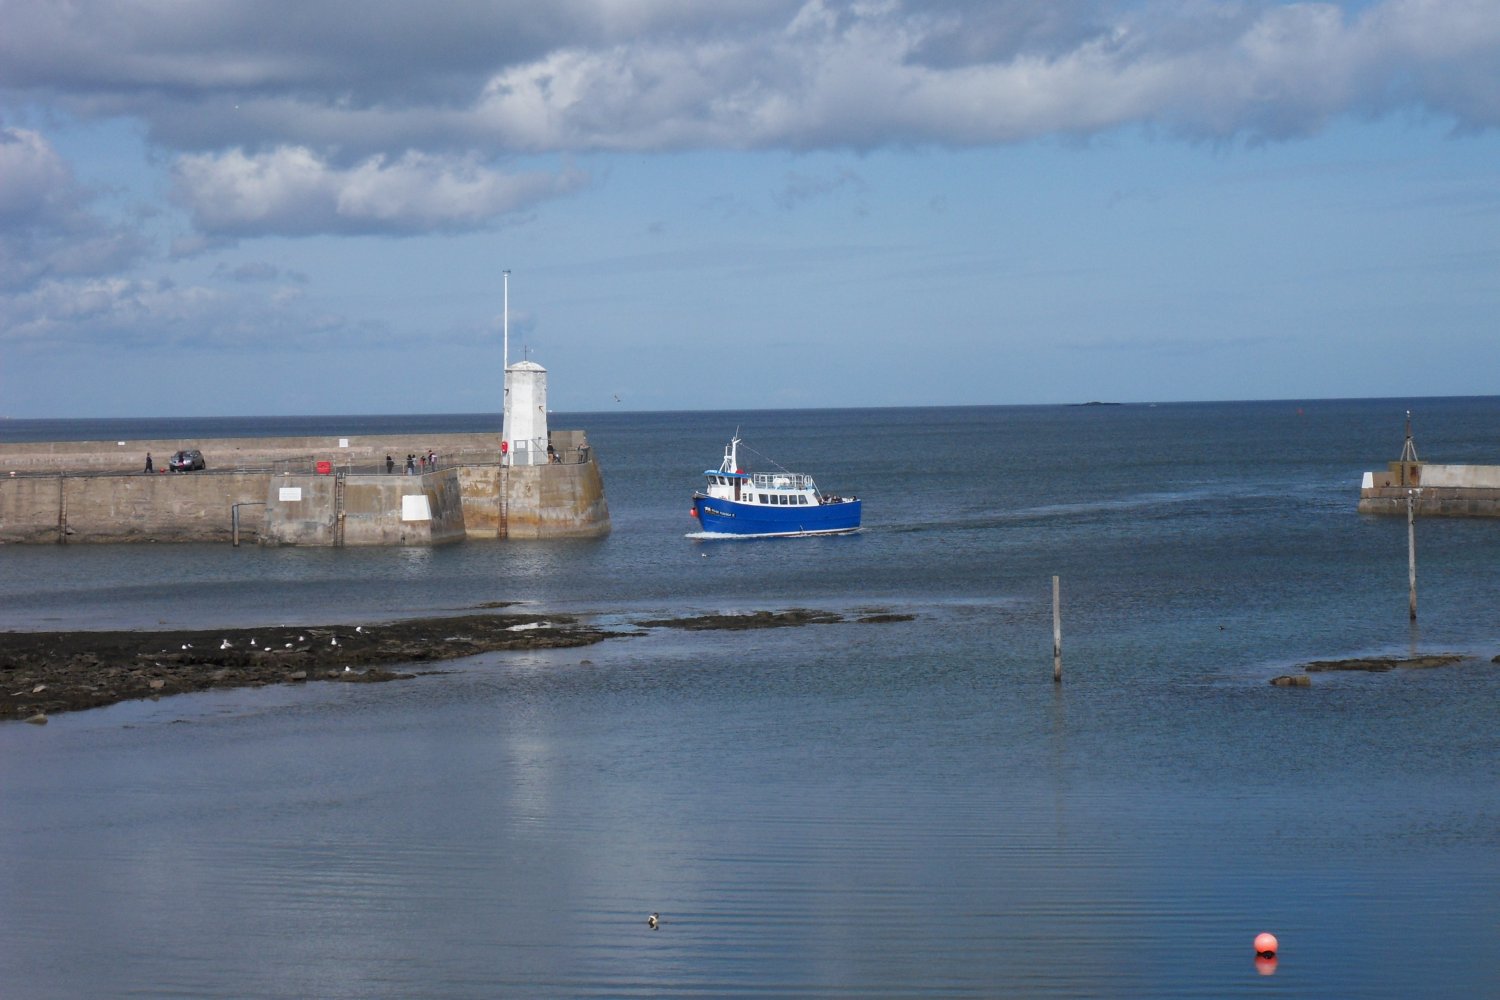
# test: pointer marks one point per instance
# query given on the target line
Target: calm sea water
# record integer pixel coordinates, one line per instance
(906, 809)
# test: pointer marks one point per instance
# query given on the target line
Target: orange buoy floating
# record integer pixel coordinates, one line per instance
(1265, 945)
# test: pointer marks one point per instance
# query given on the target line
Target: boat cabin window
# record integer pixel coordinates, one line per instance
(764, 498)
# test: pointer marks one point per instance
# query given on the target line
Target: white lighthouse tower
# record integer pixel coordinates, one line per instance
(526, 413)
(524, 417)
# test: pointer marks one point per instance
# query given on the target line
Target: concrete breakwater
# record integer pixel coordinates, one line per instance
(1434, 490)
(299, 491)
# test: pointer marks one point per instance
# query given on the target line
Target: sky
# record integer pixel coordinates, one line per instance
(287, 207)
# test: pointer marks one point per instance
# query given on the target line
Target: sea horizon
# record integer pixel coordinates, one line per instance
(461, 416)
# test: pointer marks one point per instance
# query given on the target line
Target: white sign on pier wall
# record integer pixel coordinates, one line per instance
(416, 508)
(293, 493)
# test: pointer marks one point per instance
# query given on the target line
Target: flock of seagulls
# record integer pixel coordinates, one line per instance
(224, 643)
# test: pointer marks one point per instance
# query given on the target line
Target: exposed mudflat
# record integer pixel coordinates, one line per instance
(1380, 664)
(49, 672)
(1374, 665)
(771, 619)
(44, 673)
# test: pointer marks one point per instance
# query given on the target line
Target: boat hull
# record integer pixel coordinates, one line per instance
(729, 517)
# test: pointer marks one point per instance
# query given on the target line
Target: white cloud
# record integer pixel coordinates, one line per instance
(494, 79)
(867, 75)
(34, 180)
(119, 313)
(293, 191)
(46, 227)
(108, 311)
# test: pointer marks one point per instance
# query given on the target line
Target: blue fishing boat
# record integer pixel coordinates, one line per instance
(769, 503)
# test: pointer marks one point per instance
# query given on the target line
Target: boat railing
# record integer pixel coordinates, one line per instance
(783, 481)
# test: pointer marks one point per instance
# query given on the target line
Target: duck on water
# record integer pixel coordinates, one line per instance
(781, 503)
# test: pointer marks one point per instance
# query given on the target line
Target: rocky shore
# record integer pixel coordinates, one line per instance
(44, 673)
(1373, 665)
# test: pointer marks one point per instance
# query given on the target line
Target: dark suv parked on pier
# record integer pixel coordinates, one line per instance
(186, 461)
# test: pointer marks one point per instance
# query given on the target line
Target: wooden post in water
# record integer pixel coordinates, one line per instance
(1057, 631)
(1411, 550)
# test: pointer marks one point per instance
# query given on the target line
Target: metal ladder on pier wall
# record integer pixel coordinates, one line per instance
(62, 509)
(502, 502)
(338, 510)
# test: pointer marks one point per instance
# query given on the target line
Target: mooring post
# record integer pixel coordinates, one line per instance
(1411, 550)
(1056, 631)
(234, 518)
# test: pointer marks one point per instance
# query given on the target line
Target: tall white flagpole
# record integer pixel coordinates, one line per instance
(505, 374)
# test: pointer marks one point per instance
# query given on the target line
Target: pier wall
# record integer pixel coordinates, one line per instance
(1440, 490)
(373, 510)
(139, 508)
(539, 501)
(96, 492)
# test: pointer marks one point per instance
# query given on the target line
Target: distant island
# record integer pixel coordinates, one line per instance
(1095, 402)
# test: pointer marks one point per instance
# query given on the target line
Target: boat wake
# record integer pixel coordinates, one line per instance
(718, 536)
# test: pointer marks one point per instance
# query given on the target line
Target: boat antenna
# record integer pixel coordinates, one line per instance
(758, 455)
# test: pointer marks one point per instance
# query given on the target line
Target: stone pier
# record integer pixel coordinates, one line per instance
(299, 491)
(1435, 490)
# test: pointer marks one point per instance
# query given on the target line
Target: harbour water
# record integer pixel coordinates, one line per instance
(908, 808)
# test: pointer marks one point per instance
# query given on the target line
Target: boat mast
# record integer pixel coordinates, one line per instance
(505, 323)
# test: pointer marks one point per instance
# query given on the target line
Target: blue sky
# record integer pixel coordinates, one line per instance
(278, 208)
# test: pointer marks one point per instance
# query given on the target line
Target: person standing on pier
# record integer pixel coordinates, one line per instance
(148, 463)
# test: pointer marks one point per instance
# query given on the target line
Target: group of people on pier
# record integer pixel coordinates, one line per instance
(414, 463)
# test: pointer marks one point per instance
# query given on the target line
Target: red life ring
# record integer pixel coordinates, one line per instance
(504, 447)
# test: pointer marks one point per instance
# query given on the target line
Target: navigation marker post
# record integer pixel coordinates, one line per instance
(1411, 551)
(1056, 631)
